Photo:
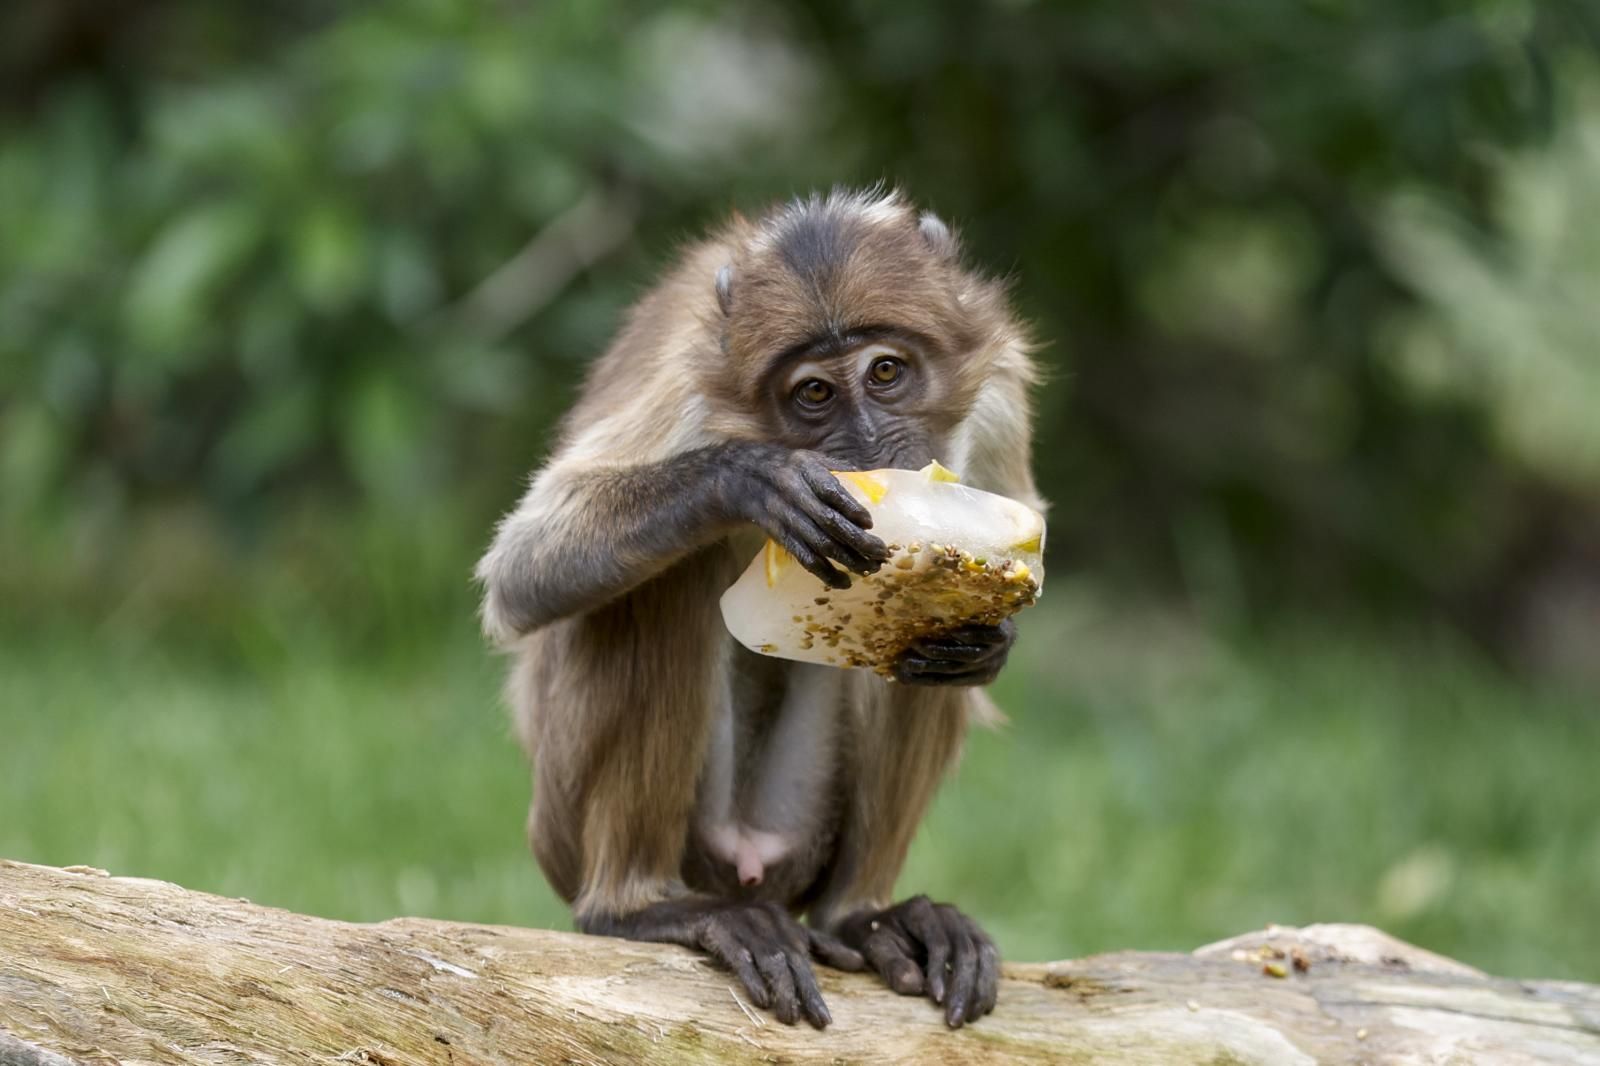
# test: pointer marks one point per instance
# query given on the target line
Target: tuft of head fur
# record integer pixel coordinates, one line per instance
(823, 267)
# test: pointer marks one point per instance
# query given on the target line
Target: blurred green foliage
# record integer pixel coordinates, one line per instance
(1509, 321)
(358, 253)
(1157, 788)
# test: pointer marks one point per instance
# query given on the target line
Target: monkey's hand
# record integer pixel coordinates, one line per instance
(765, 947)
(922, 947)
(968, 655)
(797, 502)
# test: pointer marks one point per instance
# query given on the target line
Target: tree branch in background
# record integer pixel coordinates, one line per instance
(523, 285)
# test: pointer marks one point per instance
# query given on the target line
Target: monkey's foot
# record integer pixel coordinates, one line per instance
(765, 947)
(919, 946)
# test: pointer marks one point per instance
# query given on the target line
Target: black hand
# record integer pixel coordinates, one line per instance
(794, 498)
(765, 947)
(968, 655)
(921, 946)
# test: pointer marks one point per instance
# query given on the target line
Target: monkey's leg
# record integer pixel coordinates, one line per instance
(765, 947)
(619, 715)
(906, 737)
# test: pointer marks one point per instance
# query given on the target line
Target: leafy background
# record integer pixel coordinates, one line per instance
(291, 294)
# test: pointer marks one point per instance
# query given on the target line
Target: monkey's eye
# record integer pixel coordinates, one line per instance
(887, 371)
(814, 392)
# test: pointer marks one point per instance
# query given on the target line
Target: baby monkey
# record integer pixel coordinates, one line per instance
(685, 789)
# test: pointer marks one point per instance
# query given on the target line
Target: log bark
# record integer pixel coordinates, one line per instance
(112, 969)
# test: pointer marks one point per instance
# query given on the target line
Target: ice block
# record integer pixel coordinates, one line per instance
(958, 556)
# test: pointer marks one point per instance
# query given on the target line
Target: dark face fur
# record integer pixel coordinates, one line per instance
(862, 399)
(846, 329)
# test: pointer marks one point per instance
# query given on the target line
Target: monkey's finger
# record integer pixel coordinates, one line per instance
(805, 980)
(988, 976)
(811, 560)
(936, 648)
(890, 955)
(963, 972)
(719, 940)
(835, 952)
(967, 643)
(973, 634)
(829, 491)
(916, 670)
(837, 511)
(773, 962)
(802, 525)
(908, 674)
(926, 926)
(922, 666)
(955, 674)
(805, 983)
(846, 532)
(834, 535)
(786, 968)
(846, 553)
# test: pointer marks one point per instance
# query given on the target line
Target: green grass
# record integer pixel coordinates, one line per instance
(1156, 788)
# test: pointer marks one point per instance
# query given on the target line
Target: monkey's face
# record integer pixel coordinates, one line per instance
(849, 326)
(870, 401)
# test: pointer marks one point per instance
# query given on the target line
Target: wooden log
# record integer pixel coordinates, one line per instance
(112, 969)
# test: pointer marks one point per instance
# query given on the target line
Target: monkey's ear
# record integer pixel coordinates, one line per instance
(725, 288)
(937, 234)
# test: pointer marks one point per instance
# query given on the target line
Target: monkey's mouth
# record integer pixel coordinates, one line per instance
(893, 457)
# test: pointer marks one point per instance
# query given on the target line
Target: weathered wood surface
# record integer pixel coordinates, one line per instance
(110, 969)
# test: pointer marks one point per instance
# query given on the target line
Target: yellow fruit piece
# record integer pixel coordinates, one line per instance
(936, 471)
(873, 489)
(1018, 573)
(774, 558)
(1032, 544)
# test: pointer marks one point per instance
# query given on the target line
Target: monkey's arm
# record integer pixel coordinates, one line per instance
(586, 533)
(908, 737)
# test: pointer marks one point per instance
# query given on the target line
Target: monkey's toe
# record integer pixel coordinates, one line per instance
(919, 946)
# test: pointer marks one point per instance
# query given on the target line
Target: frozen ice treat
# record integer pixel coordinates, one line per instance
(958, 556)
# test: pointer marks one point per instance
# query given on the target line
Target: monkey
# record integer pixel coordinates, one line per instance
(687, 790)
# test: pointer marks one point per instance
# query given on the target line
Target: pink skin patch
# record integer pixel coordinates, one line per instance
(748, 851)
(750, 866)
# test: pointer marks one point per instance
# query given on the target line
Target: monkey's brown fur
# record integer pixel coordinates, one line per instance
(621, 658)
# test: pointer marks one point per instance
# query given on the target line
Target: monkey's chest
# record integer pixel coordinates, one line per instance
(769, 794)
